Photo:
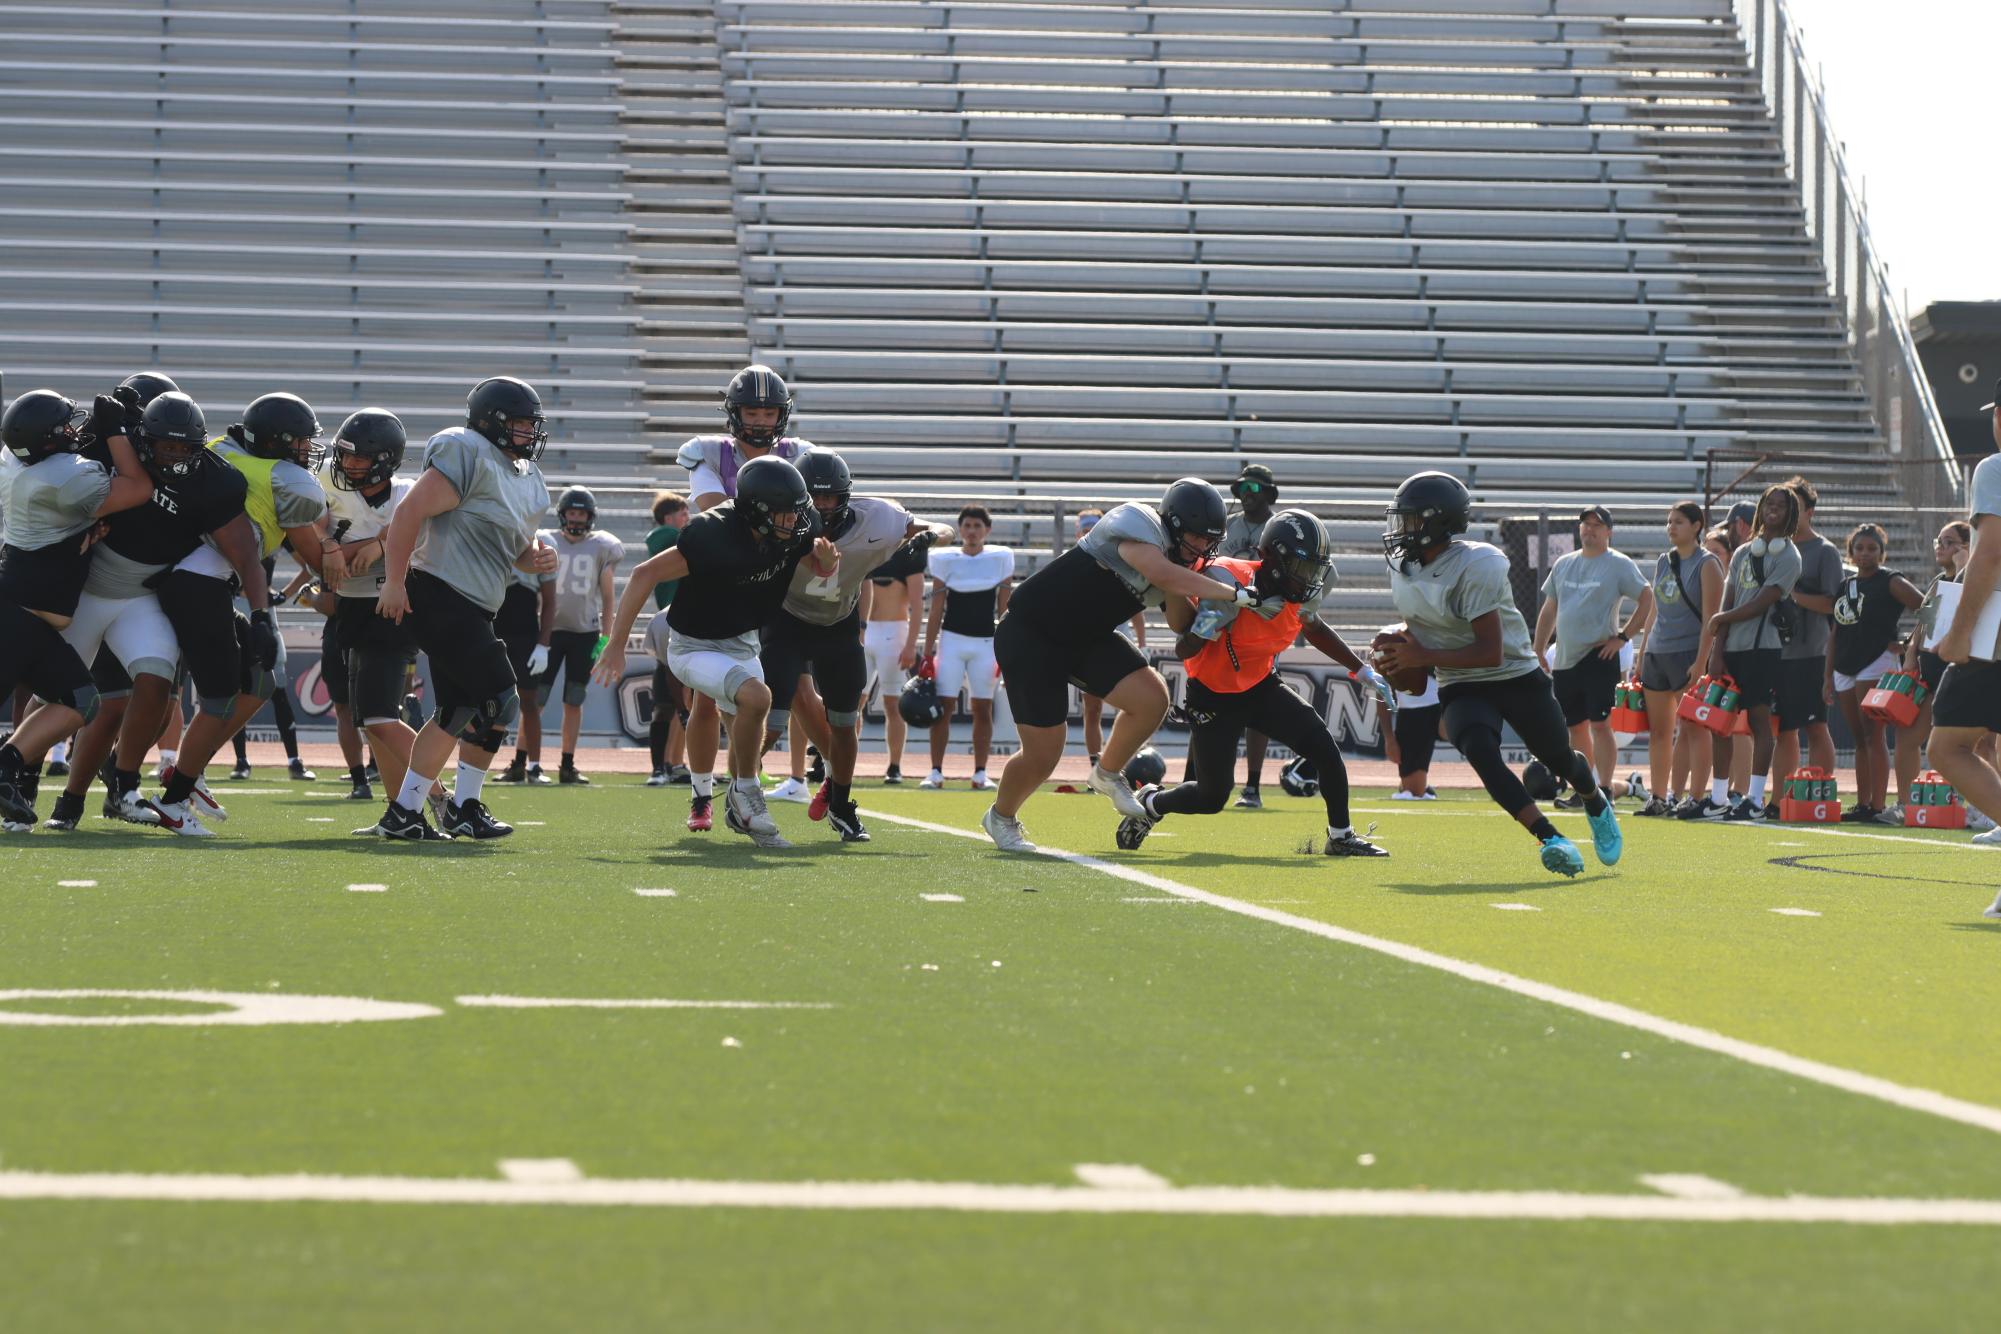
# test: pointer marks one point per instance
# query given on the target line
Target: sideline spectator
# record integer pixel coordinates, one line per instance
(1867, 607)
(1806, 693)
(1580, 610)
(1740, 524)
(1948, 555)
(892, 610)
(969, 593)
(1688, 590)
(1719, 543)
(1094, 706)
(1410, 737)
(1257, 498)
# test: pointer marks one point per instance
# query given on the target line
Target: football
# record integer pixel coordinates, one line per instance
(1411, 680)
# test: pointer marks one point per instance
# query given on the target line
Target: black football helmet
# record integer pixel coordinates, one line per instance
(577, 498)
(1430, 508)
(280, 426)
(147, 386)
(374, 436)
(39, 423)
(1192, 509)
(768, 487)
(1295, 558)
(173, 435)
(757, 386)
(826, 474)
(494, 403)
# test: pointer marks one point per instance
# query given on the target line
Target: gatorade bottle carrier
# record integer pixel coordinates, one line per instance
(1712, 702)
(1895, 699)
(1629, 708)
(1933, 804)
(1809, 796)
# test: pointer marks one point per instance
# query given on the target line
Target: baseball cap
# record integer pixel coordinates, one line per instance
(1254, 477)
(1747, 510)
(1598, 512)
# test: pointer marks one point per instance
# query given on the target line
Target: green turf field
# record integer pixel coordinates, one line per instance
(1242, 1087)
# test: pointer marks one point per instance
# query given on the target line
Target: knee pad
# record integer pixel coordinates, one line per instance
(216, 706)
(85, 700)
(503, 710)
(484, 738)
(574, 692)
(843, 717)
(455, 719)
(776, 722)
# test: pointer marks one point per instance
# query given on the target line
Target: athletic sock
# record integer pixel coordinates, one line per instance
(167, 758)
(521, 757)
(1757, 789)
(126, 780)
(704, 784)
(1543, 830)
(745, 785)
(179, 787)
(1719, 791)
(839, 794)
(415, 788)
(1146, 804)
(358, 774)
(1338, 834)
(656, 740)
(569, 759)
(469, 783)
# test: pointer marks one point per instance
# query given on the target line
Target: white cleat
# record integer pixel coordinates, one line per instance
(790, 790)
(1989, 839)
(1106, 783)
(932, 781)
(1977, 821)
(1005, 831)
(1994, 908)
(982, 783)
(204, 804)
(179, 818)
(747, 813)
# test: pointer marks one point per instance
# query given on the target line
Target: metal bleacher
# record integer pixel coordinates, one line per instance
(1057, 253)
(362, 203)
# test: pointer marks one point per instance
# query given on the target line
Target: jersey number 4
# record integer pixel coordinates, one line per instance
(826, 587)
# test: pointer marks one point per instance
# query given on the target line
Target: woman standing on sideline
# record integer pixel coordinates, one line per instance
(1867, 607)
(1948, 556)
(1688, 590)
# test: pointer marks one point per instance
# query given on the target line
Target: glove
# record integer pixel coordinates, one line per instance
(107, 417)
(597, 649)
(1248, 597)
(1209, 621)
(264, 640)
(1385, 694)
(538, 660)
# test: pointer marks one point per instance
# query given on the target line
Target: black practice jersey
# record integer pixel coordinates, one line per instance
(735, 583)
(905, 561)
(183, 510)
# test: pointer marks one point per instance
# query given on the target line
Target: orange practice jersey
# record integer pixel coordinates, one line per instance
(1243, 654)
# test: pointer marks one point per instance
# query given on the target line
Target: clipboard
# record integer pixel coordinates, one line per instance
(1986, 641)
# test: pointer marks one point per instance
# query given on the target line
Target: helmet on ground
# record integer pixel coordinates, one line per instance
(1192, 510)
(494, 405)
(373, 436)
(1430, 508)
(39, 423)
(757, 386)
(1146, 767)
(577, 498)
(1300, 777)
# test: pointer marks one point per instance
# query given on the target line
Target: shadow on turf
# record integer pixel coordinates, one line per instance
(1504, 887)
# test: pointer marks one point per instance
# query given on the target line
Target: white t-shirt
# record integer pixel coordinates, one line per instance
(961, 573)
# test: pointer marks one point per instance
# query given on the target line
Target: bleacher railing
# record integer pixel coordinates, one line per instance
(1887, 356)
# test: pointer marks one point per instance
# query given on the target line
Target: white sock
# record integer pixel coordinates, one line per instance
(59, 752)
(1341, 833)
(1719, 790)
(415, 788)
(746, 785)
(535, 766)
(1757, 789)
(167, 756)
(705, 784)
(470, 781)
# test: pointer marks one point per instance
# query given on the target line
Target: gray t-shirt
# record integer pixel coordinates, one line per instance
(54, 499)
(1588, 591)
(1440, 602)
(1128, 523)
(1782, 569)
(873, 537)
(1678, 603)
(1820, 572)
(1240, 537)
(501, 502)
(1984, 492)
(580, 561)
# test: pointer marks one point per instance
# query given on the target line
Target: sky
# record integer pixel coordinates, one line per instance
(1909, 96)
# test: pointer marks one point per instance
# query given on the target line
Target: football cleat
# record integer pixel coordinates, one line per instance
(15, 808)
(1132, 832)
(515, 772)
(1705, 809)
(68, 812)
(846, 820)
(179, 817)
(435, 803)
(1993, 909)
(1006, 831)
(361, 792)
(1745, 811)
(680, 775)
(536, 778)
(570, 777)
(239, 773)
(893, 775)
(747, 813)
(1560, 855)
(774, 839)
(1116, 786)
(204, 804)
(982, 783)
(1352, 844)
(58, 768)
(471, 819)
(823, 797)
(933, 781)
(299, 772)
(1607, 843)
(1249, 799)
(657, 779)
(404, 826)
(700, 820)
(130, 807)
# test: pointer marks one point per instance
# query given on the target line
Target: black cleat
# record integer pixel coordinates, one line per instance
(68, 811)
(471, 819)
(566, 775)
(405, 826)
(1131, 833)
(817, 772)
(361, 792)
(515, 772)
(58, 769)
(893, 775)
(847, 822)
(1352, 844)
(15, 806)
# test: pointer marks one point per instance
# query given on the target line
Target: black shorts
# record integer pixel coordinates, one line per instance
(1584, 692)
(1969, 695)
(1526, 703)
(833, 653)
(1417, 737)
(1800, 701)
(34, 654)
(333, 662)
(519, 625)
(214, 635)
(1756, 672)
(667, 695)
(375, 657)
(571, 653)
(1039, 666)
(469, 664)
(1931, 670)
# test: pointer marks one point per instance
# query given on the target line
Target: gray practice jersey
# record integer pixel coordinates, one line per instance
(501, 502)
(1782, 570)
(1128, 523)
(1588, 591)
(580, 561)
(54, 499)
(1440, 602)
(873, 537)
(1678, 603)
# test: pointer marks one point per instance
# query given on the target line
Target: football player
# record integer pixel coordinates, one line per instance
(735, 563)
(1456, 599)
(819, 627)
(1062, 626)
(55, 501)
(122, 627)
(969, 591)
(469, 519)
(1232, 657)
(233, 660)
(891, 610)
(586, 563)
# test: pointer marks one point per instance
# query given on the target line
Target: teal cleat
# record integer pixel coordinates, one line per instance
(1560, 855)
(1606, 840)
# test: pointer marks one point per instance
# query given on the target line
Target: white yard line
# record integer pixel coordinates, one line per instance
(368, 889)
(637, 1003)
(540, 1171)
(1769, 1058)
(1690, 1186)
(943, 898)
(971, 1197)
(1515, 907)
(656, 893)
(76, 884)
(1795, 912)
(1120, 1176)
